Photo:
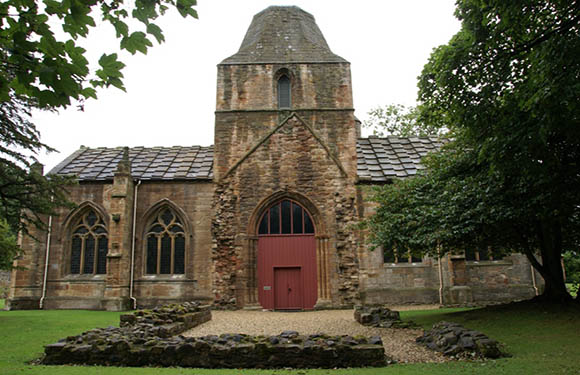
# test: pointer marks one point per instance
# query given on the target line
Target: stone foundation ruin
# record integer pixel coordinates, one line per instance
(152, 338)
(453, 339)
(381, 317)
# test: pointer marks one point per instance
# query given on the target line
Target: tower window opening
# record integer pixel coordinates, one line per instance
(284, 88)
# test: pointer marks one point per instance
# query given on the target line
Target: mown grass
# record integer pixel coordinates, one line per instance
(540, 339)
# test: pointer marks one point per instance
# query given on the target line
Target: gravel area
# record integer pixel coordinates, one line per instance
(399, 343)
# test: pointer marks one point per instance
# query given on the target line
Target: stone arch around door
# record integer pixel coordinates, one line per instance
(318, 277)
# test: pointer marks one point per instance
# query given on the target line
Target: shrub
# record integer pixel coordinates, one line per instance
(572, 266)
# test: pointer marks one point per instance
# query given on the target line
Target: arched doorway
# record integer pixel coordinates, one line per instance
(287, 278)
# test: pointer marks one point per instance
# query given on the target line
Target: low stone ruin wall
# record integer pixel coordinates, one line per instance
(151, 338)
(453, 339)
(168, 320)
(134, 346)
(380, 316)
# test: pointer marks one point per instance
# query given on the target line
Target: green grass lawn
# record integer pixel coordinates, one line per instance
(541, 340)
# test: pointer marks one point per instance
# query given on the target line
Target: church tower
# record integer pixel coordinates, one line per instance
(285, 169)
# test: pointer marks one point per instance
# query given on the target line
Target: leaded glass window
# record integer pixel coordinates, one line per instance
(89, 245)
(165, 244)
(286, 217)
(284, 89)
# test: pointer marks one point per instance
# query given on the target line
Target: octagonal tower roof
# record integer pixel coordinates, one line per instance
(283, 34)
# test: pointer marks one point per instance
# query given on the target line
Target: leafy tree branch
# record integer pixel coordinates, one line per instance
(507, 87)
(43, 66)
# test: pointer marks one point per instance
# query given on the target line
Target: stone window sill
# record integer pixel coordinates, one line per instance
(489, 263)
(406, 265)
(167, 278)
(86, 277)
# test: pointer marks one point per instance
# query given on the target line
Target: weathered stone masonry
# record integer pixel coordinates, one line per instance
(285, 131)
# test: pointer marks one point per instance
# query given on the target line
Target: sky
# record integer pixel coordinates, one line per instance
(171, 91)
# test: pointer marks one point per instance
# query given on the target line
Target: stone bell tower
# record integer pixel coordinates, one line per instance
(284, 129)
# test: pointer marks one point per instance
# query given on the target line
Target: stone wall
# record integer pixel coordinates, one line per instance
(133, 347)
(149, 338)
(495, 281)
(192, 200)
(481, 282)
(317, 86)
(307, 154)
(169, 320)
(291, 164)
(63, 290)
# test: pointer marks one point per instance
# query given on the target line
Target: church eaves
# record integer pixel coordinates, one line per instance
(283, 34)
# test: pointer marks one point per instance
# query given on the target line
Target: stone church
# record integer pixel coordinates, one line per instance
(265, 218)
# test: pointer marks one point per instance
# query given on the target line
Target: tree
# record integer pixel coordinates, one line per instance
(8, 245)
(507, 87)
(399, 120)
(42, 67)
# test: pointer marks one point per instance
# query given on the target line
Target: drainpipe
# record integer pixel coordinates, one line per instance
(41, 303)
(534, 280)
(133, 245)
(440, 274)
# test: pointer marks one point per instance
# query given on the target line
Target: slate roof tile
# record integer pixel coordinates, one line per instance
(398, 157)
(378, 160)
(147, 163)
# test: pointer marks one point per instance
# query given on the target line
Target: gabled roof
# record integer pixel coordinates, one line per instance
(378, 161)
(383, 159)
(147, 163)
(283, 34)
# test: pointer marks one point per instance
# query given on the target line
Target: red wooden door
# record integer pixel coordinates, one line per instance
(287, 288)
(287, 258)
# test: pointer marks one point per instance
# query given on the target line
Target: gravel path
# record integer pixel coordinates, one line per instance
(399, 343)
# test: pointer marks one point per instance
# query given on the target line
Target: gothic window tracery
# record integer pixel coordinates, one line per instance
(89, 245)
(165, 244)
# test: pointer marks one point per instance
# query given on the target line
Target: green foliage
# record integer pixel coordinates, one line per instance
(399, 120)
(572, 266)
(26, 199)
(573, 289)
(507, 87)
(8, 245)
(43, 66)
(444, 210)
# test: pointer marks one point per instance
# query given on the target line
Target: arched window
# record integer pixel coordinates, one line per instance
(284, 90)
(89, 244)
(286, 217)
(165, 244)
